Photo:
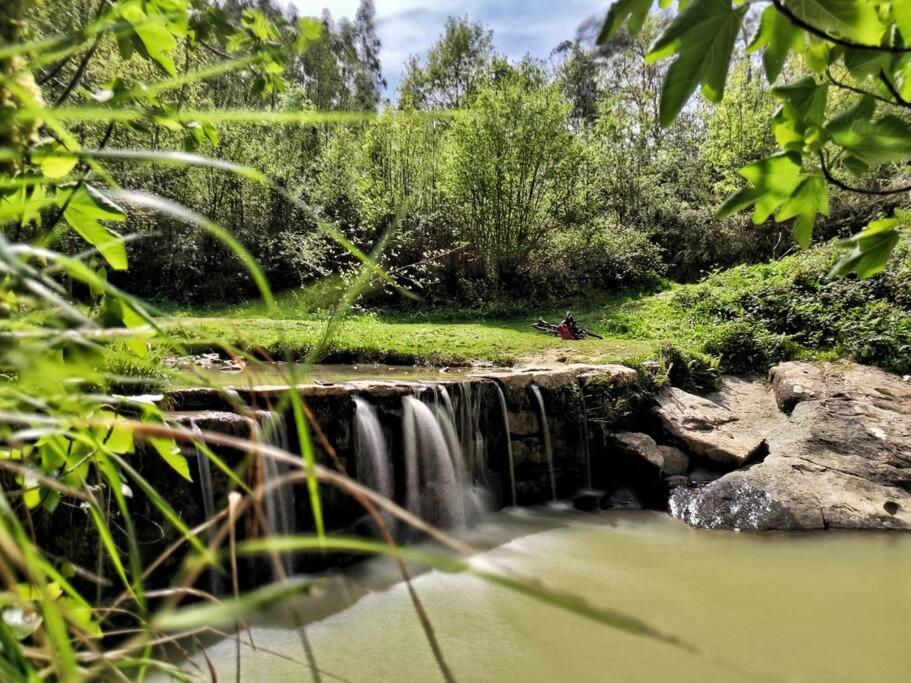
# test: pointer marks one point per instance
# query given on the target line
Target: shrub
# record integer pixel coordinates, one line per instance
(742, 348)
(600, 256)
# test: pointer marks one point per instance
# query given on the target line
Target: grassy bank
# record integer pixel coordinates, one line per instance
(747, 318)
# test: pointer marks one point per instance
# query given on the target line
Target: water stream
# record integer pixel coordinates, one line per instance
(374, 467)
(508, 437)
(548, 447)
(433, 489)
(280, 515)
(585, 441)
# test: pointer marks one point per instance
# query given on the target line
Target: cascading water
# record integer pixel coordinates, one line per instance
(585, 446)
(433, 488)
(506, 435)
(469, 427)
(204, 469)
(548, 448)
(374, 468)
(280, 499)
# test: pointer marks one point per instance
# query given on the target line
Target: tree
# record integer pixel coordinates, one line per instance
(510, 172)
(454, 70)
(859, 47)
(368, 81)
(578, 76)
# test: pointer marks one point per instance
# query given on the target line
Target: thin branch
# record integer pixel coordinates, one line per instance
(53, 72)
(858, 190)
(860, 91)
(809, 28)
(890, 86)
(80, 70)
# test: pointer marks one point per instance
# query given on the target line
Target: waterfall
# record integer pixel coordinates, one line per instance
(585, 447)
(548, 448)
(469, 428)
(433, 488)
(280, 500)
(506, 435)
(204, 469)
(374, 468)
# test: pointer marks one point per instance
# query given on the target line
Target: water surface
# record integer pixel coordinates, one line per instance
(833, 606)
(259, 374)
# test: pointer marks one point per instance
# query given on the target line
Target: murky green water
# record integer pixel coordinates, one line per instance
(823, 607)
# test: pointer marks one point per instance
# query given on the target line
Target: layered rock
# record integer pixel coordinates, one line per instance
(728, 427)
(841, 459)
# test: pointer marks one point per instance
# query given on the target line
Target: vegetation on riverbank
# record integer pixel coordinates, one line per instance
(746, 317)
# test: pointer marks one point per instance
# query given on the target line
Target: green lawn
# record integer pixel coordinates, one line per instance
(748, 317)
(368, 338)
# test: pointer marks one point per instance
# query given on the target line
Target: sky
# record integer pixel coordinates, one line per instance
(519, 27)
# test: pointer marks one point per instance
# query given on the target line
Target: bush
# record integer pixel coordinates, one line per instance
(742, 348)
(601, 256)
(760, 315)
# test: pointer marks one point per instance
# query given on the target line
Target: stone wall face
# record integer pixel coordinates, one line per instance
(819, 447)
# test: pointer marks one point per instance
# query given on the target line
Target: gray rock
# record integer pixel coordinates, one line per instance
(675, 460)
(666, 460)
(795, 382)
(728, 427)
(623, 498)
(843, 459)
(672, 482)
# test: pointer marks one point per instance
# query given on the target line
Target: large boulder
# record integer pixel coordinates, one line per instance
(665, 461)
(842, 459)
(728, 427)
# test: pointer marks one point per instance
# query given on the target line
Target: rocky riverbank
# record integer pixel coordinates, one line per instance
(820, 446)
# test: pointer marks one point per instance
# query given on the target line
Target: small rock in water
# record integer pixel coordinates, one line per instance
(587, 501)
(701, 475)
(623, 498)
(672, 482)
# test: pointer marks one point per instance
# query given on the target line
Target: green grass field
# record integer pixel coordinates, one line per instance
(748, 317)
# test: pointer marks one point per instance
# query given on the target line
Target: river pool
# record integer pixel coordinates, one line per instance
(833, 606)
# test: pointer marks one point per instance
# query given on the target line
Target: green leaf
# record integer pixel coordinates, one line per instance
(776, 179)
(702, 36)
(54, 159)
(170, 453)
(631, 12)
(739, 201)
(83, 212)
(901, 13)
(811, 198)
(856, 20)
(779, 173)
(846, 128)
(309, 30)
(109, 545)
(154, 37)
(879, 142)
(778, 36)
(869, 250)
(863, 63)
(225, 613)
(806, 99)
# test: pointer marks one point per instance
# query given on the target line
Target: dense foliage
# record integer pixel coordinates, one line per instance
(844, 111)
(222, 149)
(553, 179)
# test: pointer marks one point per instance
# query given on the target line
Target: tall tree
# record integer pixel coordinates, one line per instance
(511, 170)
(454, 70)
(368, 81)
